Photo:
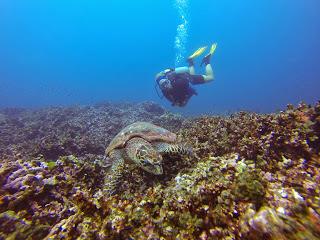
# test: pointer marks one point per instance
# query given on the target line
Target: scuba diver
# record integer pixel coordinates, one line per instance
(175, 83)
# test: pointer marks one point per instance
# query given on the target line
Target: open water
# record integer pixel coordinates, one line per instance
(67, 52)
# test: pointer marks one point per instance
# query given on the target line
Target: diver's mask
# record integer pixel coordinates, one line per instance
(165, 84)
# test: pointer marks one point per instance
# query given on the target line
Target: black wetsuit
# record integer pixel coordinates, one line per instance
(181, 91)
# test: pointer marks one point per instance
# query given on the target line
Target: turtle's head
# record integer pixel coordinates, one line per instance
(149, 159)
(142, 153)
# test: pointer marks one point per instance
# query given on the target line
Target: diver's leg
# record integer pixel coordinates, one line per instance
(192, 70)
(191, 67)
(181, 70)
(206, 61)
(197, 53)
(200, 79)
(209, 73)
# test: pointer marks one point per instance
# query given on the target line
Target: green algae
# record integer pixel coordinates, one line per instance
(51, 165)
(249, 187)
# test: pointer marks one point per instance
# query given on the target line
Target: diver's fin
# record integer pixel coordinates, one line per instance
(197, 53)
(213, 48)
(207, 58)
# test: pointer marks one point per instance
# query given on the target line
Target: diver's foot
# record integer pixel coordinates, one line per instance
(207, 58)
(190, 62)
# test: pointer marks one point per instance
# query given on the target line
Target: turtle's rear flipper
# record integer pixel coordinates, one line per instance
(114, 175)
(178, 149)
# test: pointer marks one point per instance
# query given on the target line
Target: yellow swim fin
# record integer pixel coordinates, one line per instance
(207, 58)
(213, 48)
(198, 52)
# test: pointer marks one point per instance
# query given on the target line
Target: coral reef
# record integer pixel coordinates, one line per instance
(253, 176)
(78, 130)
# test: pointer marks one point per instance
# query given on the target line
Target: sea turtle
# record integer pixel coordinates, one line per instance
(141, 143)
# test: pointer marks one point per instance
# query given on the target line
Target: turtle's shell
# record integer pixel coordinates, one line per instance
(145, 130)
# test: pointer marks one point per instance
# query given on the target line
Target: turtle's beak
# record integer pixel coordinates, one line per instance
(158, 169)
(154, 168)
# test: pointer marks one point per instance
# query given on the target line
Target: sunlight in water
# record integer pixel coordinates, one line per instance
(182, 31)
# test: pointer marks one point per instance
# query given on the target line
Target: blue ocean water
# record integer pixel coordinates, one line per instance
(65, 52)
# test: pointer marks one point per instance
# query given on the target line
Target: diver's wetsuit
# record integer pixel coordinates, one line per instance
(181, 91)
(175, 83)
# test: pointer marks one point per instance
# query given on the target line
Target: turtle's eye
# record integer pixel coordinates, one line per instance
(146, 162)
(143, 153)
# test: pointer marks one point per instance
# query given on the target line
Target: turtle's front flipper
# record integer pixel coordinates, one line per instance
(115, 173)
(170, 148)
